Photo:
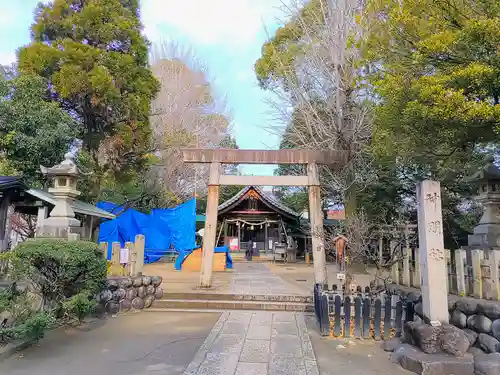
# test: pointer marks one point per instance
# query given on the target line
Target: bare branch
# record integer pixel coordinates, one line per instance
(187, 113)
(321, 102)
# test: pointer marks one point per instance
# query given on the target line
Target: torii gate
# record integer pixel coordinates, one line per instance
(217, 157)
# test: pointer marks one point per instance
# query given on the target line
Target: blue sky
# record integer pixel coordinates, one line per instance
(226, 34)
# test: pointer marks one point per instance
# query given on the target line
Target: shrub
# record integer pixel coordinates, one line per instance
(67, 274)
(31, 329)
(18, 319)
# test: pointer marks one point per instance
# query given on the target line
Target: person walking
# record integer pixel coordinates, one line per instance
(249, 251)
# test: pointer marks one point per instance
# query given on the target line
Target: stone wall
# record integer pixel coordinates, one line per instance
(480, 320)
(124, 293)
(469, 345)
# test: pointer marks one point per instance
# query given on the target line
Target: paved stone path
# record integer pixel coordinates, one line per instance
(256, 343)
(256, 278)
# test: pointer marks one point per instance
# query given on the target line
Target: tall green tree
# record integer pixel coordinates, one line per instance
(436, 74)
(95, 60)
(34, 131)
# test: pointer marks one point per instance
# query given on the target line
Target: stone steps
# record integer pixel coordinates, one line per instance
(199, 304)
(239, 297)
(225, 302)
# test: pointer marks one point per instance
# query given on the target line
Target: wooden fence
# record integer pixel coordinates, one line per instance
(361, 315)
(127, 261)
(474, 273)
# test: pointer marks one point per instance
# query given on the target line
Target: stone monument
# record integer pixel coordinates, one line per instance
(61, 222)
(432, 254)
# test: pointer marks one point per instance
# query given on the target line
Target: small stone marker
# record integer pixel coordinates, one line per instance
(432, 255)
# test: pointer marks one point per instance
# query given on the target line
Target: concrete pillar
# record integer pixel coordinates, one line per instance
(447, 257)
(395, 267)
(317, 230)
(417, 275)
(43, 213)
(130, 269)
(406, 259)
(432, 257)
(395, 273)
(495, 273)
(460, 257)
(139, 244)
(477, 289)
(210, 226)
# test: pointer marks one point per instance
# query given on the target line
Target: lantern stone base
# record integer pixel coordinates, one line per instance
(59, 227)
(484, 240)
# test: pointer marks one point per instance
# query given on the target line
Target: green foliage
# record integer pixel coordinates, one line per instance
(280, 53)
(33, 328)
(432, 74)
(296, 199)
(439, 88)
(20, 320)
(80, 305)
(33, 130)
(66, 273)
(434, 69)
(95, 60)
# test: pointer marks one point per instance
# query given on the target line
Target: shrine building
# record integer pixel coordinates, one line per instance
(254, 216)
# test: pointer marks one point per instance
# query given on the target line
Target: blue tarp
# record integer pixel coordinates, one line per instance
(163, 228)
(223, 249)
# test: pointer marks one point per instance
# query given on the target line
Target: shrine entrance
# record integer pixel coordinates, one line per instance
(252, 219)
(217, 157)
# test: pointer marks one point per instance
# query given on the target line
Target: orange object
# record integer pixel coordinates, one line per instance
(340, 247)
(193, 262)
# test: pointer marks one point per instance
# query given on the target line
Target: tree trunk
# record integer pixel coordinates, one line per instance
(351, 201)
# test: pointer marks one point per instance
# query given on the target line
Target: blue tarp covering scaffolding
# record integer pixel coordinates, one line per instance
(164, 229)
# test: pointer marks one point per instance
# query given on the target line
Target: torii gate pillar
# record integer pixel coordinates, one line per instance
(317, 229)
(210, 226)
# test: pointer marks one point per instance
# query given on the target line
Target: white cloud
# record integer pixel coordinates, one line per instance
(209, 22)
(7, 58)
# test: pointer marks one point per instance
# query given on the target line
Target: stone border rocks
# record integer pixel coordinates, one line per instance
(469, 345)
(123, 294)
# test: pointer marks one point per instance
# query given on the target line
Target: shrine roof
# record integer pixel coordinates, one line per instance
(79, 207)
(267, 199)
(11, 182)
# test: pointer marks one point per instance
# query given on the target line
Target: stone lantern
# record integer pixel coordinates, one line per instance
(61, 221)
(487, 232)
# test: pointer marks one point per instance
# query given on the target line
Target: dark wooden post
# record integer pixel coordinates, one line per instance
(266, 237)
(225, 233)
(4, 209)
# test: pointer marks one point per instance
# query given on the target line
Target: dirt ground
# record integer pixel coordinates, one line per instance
(132, 344)
(352, 357)
(185, 281)
(302, 275)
